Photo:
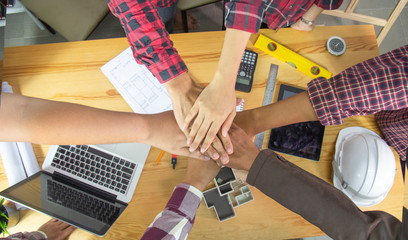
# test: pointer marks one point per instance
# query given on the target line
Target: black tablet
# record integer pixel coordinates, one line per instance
(299, 139)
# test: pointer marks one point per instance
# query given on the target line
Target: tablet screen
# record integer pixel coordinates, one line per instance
(299, 139)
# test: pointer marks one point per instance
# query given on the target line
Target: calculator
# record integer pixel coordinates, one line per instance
(246, 71)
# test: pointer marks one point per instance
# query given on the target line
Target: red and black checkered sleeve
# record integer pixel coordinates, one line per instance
(245, 15)
(149, 41)
(329, 4)
(375, 85)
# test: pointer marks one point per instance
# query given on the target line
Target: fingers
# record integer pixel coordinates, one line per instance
(227, 143)
(209, 136)
(213, 153)
(197, 131)
(227, 124)
(190, 116)
(238, 101)
(213, 128)
(67, 231)
(198, 155)
(219, 147)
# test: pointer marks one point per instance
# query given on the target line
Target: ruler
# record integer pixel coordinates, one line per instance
(270, 87)
(290, 57)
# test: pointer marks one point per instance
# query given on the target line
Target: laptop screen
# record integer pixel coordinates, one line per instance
(67, 202)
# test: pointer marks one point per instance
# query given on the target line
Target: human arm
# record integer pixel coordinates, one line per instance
(309, 16)
(35, 235)
(313, 12)
(215, 106)
(206, 118)
(183, 93)
(297, 108)
(51, 230)
(307, 195)
(177, 219)
(147, 36)
(26, 119)
(373, 86)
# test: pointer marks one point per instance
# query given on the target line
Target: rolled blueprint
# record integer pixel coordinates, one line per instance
(5, 87)
(13, 166)
(28, 157)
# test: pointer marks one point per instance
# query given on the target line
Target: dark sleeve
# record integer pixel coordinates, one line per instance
(329, 4)
(317, 201)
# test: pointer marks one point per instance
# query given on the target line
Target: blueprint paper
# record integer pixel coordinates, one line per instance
(137, 85)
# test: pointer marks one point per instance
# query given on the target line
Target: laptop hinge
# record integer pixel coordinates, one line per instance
(85, 187)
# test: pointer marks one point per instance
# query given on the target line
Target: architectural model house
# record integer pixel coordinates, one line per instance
(227, 194)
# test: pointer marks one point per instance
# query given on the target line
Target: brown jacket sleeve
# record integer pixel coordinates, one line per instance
(318, 202)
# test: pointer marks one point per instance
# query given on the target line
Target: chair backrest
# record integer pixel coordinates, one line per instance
(73, 19)
(385, 23)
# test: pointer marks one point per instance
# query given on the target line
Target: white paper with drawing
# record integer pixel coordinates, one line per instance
(137, 85)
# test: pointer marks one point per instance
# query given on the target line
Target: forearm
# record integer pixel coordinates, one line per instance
(180, 86)
(317, 201)
(294, 109)
(313, 12)
(49, 122)
(234, 45)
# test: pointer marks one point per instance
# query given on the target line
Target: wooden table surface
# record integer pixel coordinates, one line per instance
(71, 72)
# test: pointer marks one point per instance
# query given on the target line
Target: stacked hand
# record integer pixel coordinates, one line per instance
(213, 110)
(201, 113)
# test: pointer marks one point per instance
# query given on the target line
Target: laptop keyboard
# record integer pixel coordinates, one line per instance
(81, 202)
(94, 165)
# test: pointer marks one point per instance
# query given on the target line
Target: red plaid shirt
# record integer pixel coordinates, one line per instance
(150, 42)
(377, 86)
(247, 15)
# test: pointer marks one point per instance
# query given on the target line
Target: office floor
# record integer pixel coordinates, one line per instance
(21, 30)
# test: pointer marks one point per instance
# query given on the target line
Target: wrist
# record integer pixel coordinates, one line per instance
(252, 154)
(144, 128)
(193, 182)
(43, 233)
(306, 21)
(225, 79)
(180, 84)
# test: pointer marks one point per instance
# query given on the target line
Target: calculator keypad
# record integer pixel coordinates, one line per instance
(246, 71)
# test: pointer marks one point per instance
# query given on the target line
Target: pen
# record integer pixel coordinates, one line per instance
(159, 157)
(174, 160)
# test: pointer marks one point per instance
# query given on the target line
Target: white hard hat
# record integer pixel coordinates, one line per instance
(363, 166)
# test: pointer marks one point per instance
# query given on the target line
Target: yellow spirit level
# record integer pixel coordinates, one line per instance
(290, 57)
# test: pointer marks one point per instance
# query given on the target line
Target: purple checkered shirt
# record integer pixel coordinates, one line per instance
(177, 219)
(36, 235)
(377, 86)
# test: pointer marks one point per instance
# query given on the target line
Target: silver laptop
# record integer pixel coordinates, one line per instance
(87, 186)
